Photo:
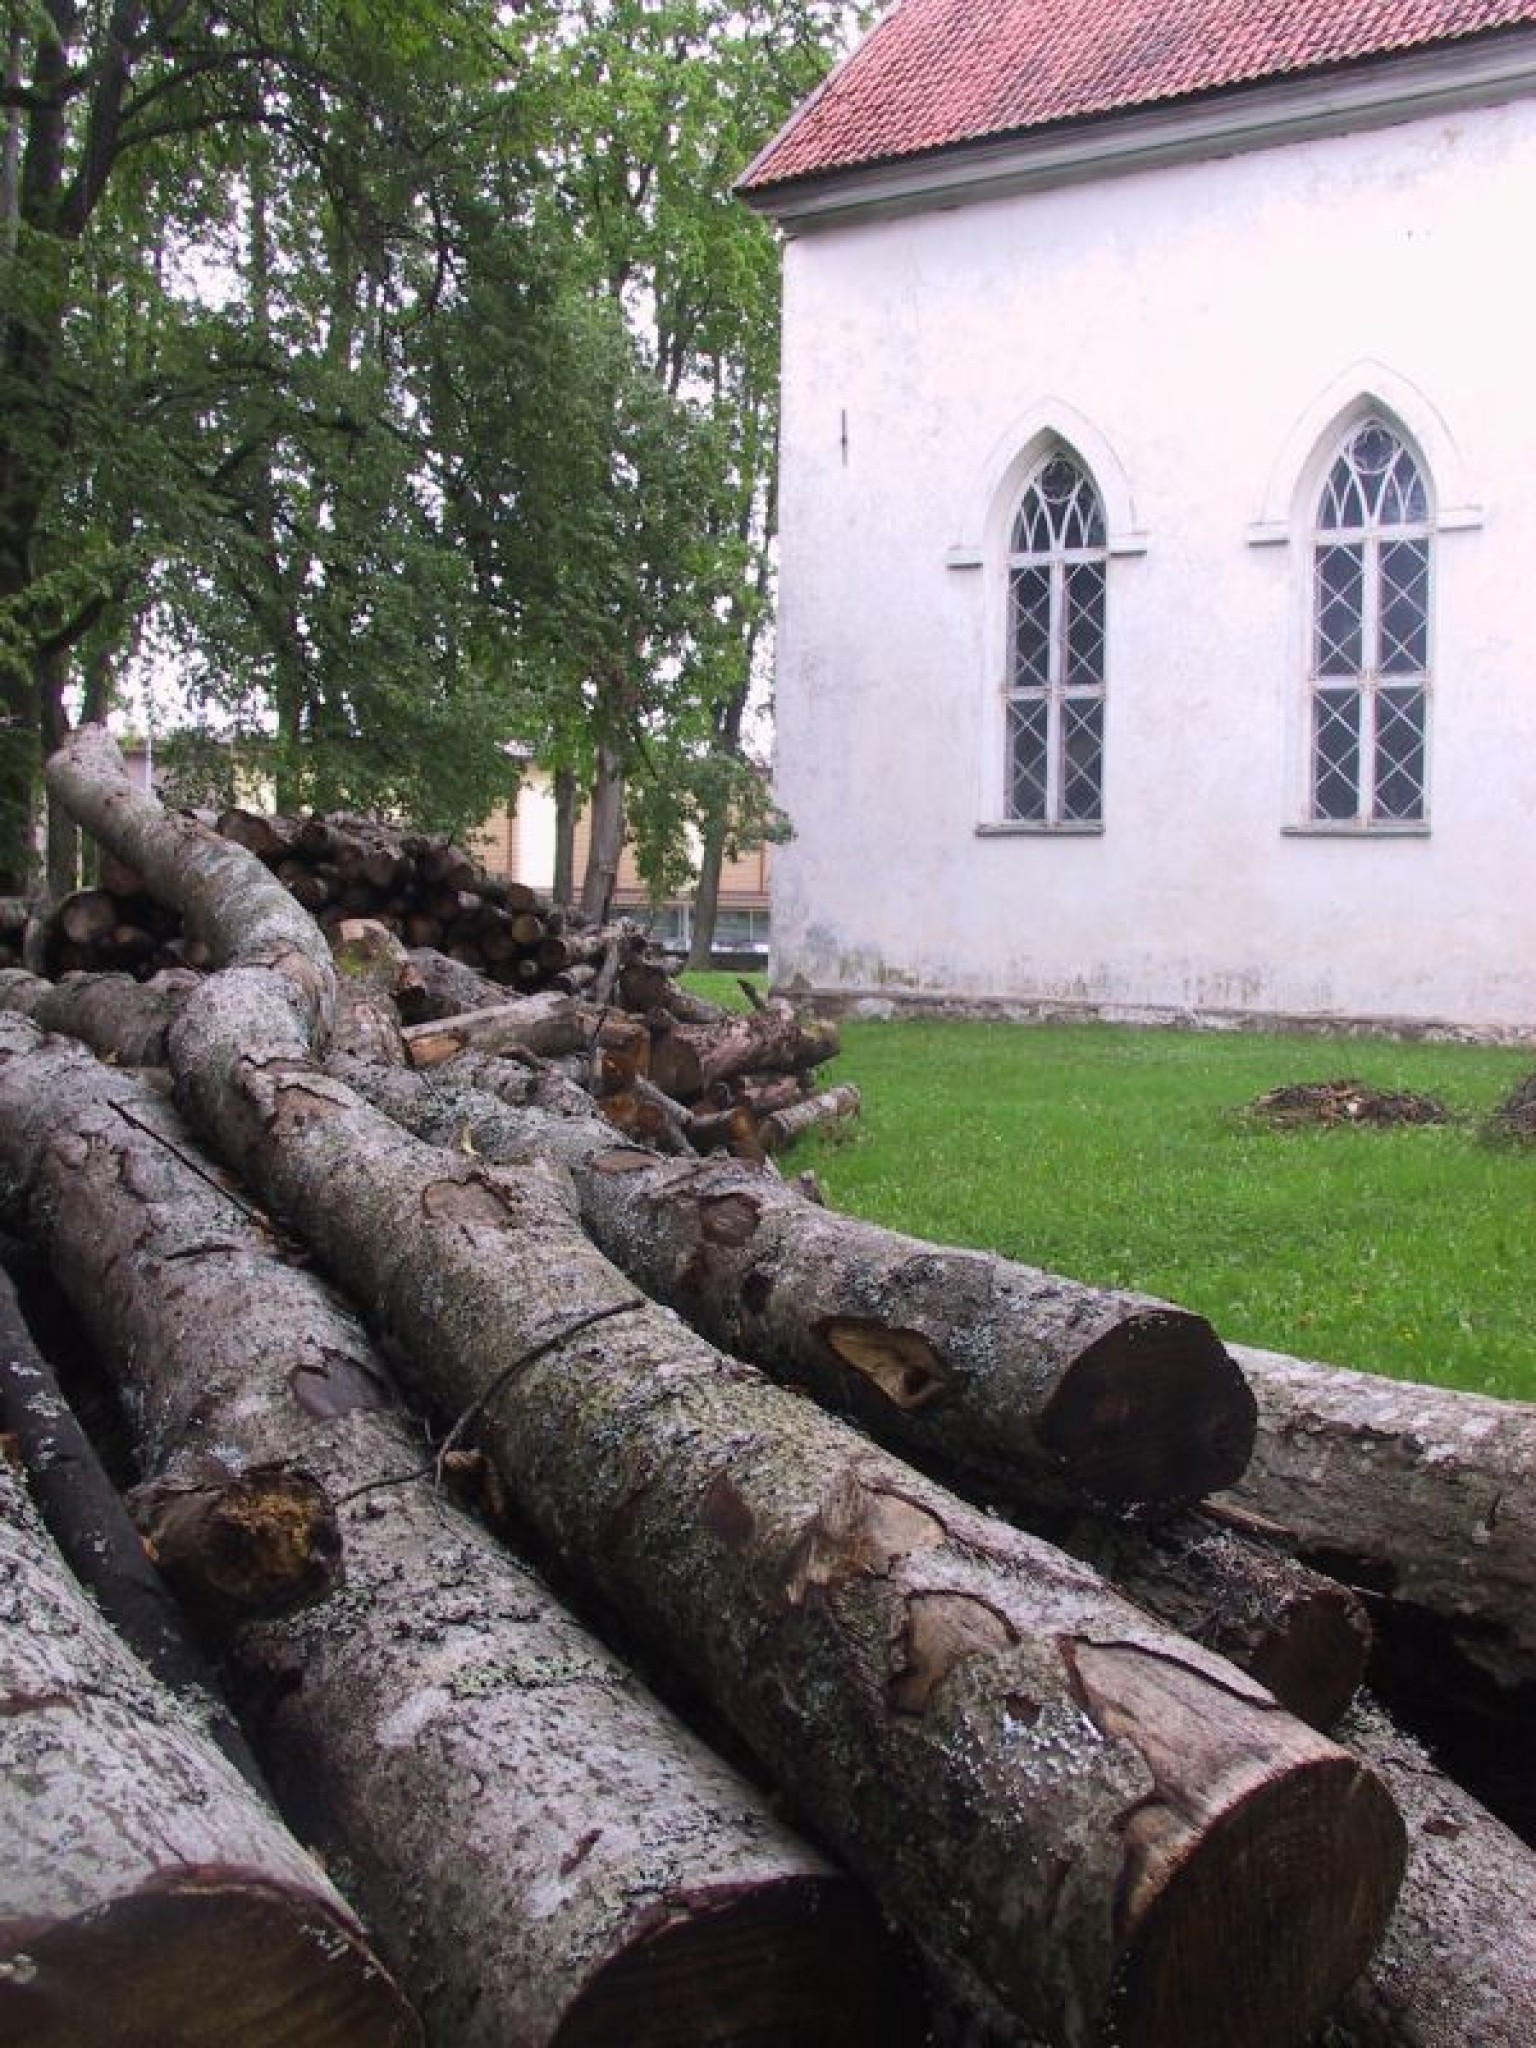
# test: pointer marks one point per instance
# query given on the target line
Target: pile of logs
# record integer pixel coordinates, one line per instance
(428, 891)
(1050, 1634)
(454, 948)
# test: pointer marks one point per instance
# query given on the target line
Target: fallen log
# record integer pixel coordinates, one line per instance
(733, 1130)
(548, 1856)
(85, 1516)
(1457, 1968)
(131, 1015)
(86, 916)
(687, 1059)
(1081, 1817)
(1301, 1634)
(1027, 1387)
(1424, 1500)
(547, 1025)
(146, 1894)
(782, 1127)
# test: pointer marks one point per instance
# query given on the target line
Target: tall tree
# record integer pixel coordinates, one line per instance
(138, 136)
(663, 103)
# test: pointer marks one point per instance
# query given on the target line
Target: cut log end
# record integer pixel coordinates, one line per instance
(795, 1965)
(1155, 1411)
(1219, 1958)
(1316, 1663)
(209, 1961)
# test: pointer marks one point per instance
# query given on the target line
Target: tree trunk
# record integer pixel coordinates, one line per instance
(563, 890)
(146, 1894)
(606, 843)
(549, 1857)
(781, 1127)
(547, 1025)
(1301, 1634)
(113, 1011)
(706, 894)
(61, 835)
(1458, 1966)
(449, 987)
(85, 1516)
(1082, 1817)
(1030, 1388)
(1424, 1500)
(689, 1059)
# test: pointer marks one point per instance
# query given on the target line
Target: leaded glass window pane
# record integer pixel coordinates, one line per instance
(1031, 606)
(1028, 783)
(1343, 500)
(1056, 640)
(1082, 747)
(1370, 633)
(1404, 607)
(1400, 753)
(1083, 625)
(1336, 753)
(1340, 610)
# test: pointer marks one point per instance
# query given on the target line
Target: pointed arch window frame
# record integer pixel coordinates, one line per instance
(1369, 633)
(1056, 644)
(1285, 517)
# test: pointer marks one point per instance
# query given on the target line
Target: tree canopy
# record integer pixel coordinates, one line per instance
(399, 376)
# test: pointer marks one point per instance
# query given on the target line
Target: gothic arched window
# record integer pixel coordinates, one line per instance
(1054, 692)
(1369, 662)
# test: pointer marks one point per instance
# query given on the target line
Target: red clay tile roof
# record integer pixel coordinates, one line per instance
(938, 73)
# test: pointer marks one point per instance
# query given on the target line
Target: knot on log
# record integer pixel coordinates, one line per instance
(859, 1531)
(941, 1631)
(256, 1542)
(901, 1364)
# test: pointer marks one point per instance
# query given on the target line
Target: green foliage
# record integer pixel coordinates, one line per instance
(1124, 1158)
(406, 373)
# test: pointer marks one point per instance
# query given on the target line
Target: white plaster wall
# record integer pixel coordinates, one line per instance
(1197, 323)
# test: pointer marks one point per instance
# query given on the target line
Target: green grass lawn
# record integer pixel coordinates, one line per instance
(1125, 1158)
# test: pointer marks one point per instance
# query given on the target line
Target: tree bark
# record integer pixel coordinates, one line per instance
(1424, 1500)
(448, 986)
(84, 1514)
(1028, 1387)
(606, 841)
(549, 1857)
(564, 885)
(146, 1894)
(110, 1010)
(688, 1059)
(1301, 1634)
(1458, 1966)
(547, 1025)
(781, 1127)
(1082, 1817)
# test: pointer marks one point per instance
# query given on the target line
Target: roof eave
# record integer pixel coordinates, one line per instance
(1476, 71)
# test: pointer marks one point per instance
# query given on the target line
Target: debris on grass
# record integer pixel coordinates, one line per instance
(1515, 1117)
(1345, 1102)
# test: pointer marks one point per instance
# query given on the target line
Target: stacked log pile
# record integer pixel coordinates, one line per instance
(669, 1069)
(1059, 1739)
